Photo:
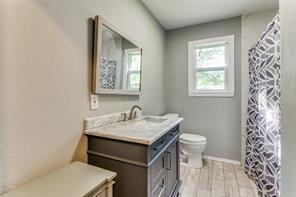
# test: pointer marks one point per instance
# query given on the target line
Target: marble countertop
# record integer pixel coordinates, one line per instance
(76, 180)
(144, 130)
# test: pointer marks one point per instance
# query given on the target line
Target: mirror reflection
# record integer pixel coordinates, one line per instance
(120, 62)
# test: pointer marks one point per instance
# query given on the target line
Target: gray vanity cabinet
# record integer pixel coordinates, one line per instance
(142, 170)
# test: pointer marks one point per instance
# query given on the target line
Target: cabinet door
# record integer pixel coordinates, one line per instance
(172, 165)
(157, 169)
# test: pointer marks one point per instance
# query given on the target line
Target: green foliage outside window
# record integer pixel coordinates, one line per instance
(206, 60)
(210, 79)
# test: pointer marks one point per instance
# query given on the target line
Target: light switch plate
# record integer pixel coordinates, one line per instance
(94, 101)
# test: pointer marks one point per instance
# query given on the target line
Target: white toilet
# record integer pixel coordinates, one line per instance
(192, 146)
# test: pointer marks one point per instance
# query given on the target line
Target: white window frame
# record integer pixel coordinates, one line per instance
(229, 69)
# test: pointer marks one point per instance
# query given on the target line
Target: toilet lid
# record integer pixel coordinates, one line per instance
(188, 137)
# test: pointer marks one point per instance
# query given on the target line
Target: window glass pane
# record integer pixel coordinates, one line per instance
(211, 56)
(134, 61)
(210, 80)
(132, 76)
(134, 80)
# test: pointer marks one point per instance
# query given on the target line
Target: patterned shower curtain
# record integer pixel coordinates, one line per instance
(108, 71)
(263, 148)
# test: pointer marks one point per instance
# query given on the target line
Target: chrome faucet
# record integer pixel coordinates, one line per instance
(132, 114)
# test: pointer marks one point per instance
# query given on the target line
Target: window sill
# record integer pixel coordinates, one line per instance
(211, 94)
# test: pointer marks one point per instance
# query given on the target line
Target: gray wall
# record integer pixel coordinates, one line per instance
(219, 119)
(288, 95)
(45, 77)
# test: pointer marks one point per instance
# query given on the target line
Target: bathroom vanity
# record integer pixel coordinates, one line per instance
(144, 153)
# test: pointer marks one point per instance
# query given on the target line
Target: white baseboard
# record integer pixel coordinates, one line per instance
(222, 160)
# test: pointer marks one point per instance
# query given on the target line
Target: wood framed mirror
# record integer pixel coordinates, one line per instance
(117, 61)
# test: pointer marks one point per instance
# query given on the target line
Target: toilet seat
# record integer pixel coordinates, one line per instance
(190, 138)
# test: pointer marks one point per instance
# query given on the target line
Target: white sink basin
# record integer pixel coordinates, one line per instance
(154, 119)
(145, 122)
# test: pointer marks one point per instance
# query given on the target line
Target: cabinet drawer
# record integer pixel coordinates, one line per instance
(158, 146)
(159, 189)
(173, 132)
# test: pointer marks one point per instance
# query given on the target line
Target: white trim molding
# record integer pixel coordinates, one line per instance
(222, 160)
(228, 42)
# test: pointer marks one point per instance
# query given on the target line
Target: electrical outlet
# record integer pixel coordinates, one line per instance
(94, 101)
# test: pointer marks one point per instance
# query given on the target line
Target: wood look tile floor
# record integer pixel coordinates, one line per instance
(216, 179)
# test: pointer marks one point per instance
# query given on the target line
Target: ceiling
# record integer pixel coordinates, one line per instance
(179, 13)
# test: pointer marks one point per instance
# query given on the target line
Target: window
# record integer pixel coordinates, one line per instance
(211, 67)
(132, 77)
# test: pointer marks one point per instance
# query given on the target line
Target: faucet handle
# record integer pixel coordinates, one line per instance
(124, 116)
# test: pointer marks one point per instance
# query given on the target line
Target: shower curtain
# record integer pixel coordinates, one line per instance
(263, 146)
(108, 73)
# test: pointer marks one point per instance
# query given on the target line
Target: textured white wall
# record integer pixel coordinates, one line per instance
(252, 26)
(3, 140)
(45, 77)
